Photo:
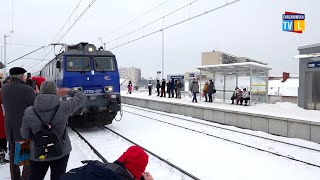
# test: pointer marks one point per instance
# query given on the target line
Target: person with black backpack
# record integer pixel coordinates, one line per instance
(45, 124)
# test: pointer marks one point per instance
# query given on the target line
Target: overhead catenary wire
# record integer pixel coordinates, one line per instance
(75, 22)
(25, 55)
(67, 31)
(180, 8)
(135, 19)
(74, 10)
(26, 45)
(63, 26)
(167, 27)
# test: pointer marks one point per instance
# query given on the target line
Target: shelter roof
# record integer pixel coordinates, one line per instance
(311, 55)
(235, 67)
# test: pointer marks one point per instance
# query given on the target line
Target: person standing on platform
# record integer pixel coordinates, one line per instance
(172, 88)
(16, 97)
(169, 88)
(194, 89)
(211, 88)
(130, 87)
(158, 87)
(178, 88)
(150, 88)
(163, 88)
(205, 91)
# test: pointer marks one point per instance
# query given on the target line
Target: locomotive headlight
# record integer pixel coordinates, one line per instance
(108, 88)
(78, 89)
(90, 49)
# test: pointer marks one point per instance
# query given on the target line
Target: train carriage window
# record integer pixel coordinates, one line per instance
(78, 64)
(104, 64)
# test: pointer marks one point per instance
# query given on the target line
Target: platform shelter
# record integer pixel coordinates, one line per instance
(250, 75)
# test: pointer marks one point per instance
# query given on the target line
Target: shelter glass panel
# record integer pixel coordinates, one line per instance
(258, 87)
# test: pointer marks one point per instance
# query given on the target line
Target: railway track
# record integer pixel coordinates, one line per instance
(290, 146)
(184, 174)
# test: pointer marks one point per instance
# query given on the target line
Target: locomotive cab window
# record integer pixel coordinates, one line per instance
(78, 64)
(104, 64)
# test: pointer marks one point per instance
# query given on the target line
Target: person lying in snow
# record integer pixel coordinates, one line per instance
(130, 165)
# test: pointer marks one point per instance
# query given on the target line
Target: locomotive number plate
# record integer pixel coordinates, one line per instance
(92, 91)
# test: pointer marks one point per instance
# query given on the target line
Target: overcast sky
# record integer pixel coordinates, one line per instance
(247, 28)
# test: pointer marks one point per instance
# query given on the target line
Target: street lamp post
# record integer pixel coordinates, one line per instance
(5, 56)
(162, 73)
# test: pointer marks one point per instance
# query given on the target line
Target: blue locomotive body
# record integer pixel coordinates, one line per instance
(95, 72)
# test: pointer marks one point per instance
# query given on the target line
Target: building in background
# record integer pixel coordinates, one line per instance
(218, 57)
(132, 73)
(283, 88)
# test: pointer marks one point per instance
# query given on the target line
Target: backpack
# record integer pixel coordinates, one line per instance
(46, 142)
(93, 170)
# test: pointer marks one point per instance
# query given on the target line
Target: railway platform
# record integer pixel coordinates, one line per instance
(282, 119)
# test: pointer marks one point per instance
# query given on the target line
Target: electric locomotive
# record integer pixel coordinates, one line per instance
(92, 71)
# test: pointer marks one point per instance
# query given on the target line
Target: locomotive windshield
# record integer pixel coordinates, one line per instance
(78, 64)
(104, 64)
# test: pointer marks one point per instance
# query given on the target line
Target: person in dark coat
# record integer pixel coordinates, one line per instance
(169, 88)
(131, 165)
(6, 80)
(30, 82)
(194, 89)
(45, 105)
(172, 88)
(178, 89)
(163, 88)
(16, 97)
(158, 87)
(135, 161)
(150, 88)
(210, 90)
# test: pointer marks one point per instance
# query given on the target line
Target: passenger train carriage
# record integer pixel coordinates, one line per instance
(93, 71)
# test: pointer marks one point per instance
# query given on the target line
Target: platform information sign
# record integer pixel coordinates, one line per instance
(314, 64)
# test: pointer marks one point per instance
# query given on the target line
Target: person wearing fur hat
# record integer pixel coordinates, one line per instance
(48, 108)
(16, 97)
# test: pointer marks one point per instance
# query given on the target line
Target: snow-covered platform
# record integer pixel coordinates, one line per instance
(282, 119)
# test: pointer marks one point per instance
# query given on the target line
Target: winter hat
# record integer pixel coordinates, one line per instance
(135, 160)
(48, 87)
(17, 71)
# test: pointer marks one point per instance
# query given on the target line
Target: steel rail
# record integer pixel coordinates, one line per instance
(225, 139)
(232, 130)
(162, 159)
(92, 148)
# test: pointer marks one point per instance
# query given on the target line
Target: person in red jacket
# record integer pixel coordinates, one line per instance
(3, 141)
